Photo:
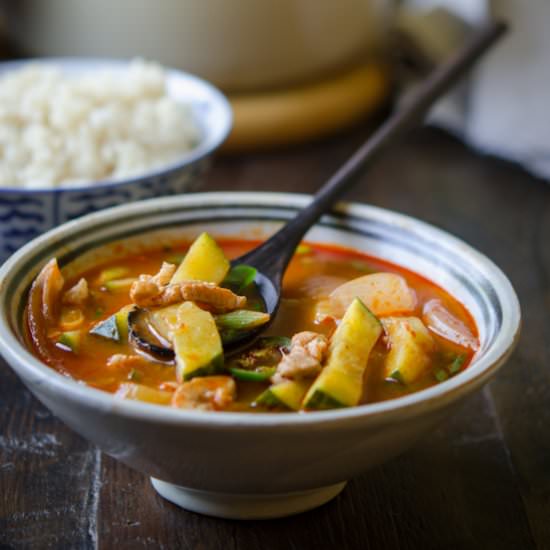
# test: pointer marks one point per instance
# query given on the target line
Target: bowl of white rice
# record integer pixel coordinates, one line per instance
(80, 135)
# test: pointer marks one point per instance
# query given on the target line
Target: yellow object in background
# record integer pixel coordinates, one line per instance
(311, 111)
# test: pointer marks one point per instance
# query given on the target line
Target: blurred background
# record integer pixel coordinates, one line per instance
(299, 70)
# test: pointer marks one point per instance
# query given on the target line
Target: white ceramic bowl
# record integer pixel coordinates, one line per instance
(26, 213)
(245, 465)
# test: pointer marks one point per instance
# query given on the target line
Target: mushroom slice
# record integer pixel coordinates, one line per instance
(149, 334)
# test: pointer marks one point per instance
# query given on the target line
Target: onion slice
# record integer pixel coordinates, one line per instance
(383, 293)
(42, 305)
(443, 323)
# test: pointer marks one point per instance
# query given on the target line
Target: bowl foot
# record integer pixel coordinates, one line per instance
(246, 506)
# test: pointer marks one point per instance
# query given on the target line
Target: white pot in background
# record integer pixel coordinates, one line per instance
(237, 44)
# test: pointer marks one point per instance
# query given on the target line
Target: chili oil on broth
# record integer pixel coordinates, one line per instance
(313, 273)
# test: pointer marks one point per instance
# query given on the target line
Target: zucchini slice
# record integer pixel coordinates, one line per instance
(70, 339)
(114, 327)
(119, 285)
(286, 395)
(340, 383)
(204, 261)
(107, 329)
(112, 273)
(410, 348)
(197, 343)
(121, 319)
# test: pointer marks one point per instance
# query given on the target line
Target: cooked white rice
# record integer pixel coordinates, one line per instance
(61, 130)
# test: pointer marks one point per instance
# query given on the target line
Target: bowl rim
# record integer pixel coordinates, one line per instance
(434, 397)
(210, 141)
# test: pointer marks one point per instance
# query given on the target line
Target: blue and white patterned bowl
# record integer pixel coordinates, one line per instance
(244, 465)
(27, 213)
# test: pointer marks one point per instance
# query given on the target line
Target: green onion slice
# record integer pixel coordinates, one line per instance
(260, 374)
(239, 277)
(242, 319)
(456, 365)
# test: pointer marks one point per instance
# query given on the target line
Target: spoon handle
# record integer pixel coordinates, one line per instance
(273, 255)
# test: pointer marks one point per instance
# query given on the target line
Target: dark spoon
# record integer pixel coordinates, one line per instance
(272, 257)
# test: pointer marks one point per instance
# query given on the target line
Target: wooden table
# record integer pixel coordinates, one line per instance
(482, 480)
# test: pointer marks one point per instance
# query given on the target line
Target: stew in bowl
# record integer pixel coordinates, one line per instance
(157, 327)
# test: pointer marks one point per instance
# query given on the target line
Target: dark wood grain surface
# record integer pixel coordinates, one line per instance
(482, 480)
